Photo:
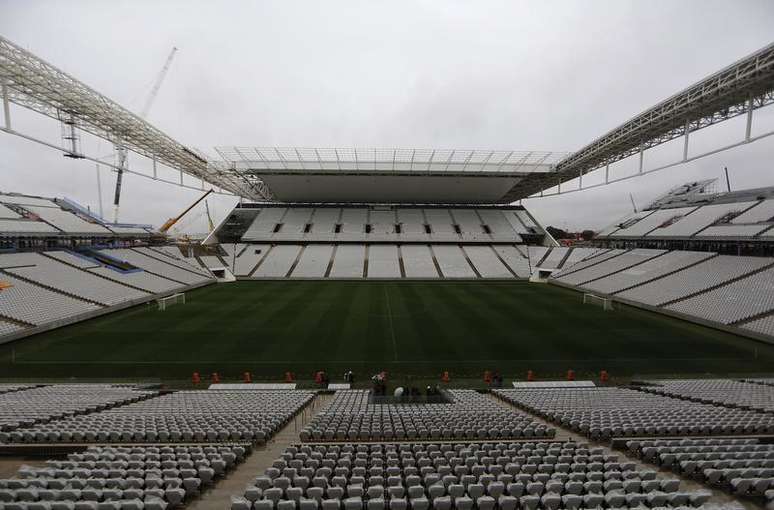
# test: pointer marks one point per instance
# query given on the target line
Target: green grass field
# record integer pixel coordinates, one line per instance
(410, 328)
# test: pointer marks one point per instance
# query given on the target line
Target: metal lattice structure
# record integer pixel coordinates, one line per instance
(33, 83)
(248, 160)
(738, 89)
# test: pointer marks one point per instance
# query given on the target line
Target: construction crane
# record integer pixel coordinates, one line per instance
(171, 221)
(121, 151)
(209, 217)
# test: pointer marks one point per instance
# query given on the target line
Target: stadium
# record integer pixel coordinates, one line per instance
(384, 328)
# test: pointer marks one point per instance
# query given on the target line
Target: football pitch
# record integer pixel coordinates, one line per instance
(410, 328)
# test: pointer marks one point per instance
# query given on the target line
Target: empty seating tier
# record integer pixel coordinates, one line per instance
(120, 478)
(724, 392)
(184, 416)
(390, 224)
(743, 466)
(603, 413)
(64, 278)
(45, 404)
(526, 475)
(468, 415)
(697, 278)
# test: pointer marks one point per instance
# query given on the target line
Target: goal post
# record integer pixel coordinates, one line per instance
(593, 299)
(174, 299)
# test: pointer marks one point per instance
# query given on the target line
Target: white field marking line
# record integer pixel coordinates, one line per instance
(392, 329)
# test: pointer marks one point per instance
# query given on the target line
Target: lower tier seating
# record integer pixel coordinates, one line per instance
(743, 466)
(527, 475)
(120, 478)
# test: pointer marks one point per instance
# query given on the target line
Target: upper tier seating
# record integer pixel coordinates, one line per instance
(469, 415)
(602, 413)
(695, 222)
(526, 475)
(743, 466)
(183, 416)
(652, 220)
(723, 392)
(389, 224)
(46, 404)
(120, 478)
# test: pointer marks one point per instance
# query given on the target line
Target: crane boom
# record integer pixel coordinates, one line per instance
(122, 151)
(157, 85)
(171, 221)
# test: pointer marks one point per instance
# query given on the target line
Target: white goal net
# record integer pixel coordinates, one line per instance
(174, 299)
(593, 299)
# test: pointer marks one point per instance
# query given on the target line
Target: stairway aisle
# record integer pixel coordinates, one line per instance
(219, 496)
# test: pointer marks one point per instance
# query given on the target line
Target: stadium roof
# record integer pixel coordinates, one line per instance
(298, 174)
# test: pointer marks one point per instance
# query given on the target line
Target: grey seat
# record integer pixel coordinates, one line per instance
(421, 503)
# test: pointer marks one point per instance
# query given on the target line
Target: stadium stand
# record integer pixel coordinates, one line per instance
(121, 478)
(278, 261)
(183, 416)
(9, 387)
(41, 290)
(699, 219)
(23, 216)
(648, 270)
(172, 256)
(485, 262)
(25, 407)
(611, 265)
(724, 305)
(503, 475)
(383, 241)
(743, 466)
(418, 261)
(33, 305)
(694, 279)
(592, 260)
(313, 262)
(602, 413)
(723, 392)
(383, 261)
(515, 260)
(165, 268)
(578, 254)
(350, 416)
(555, 258)
(452, 261)
(51, 273)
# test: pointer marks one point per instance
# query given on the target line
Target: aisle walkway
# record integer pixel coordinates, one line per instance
(219, 497)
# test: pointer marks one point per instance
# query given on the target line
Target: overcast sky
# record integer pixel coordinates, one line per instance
(537, 75)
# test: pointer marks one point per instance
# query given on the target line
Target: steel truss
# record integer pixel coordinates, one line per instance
(738, 89)
(33, 83)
